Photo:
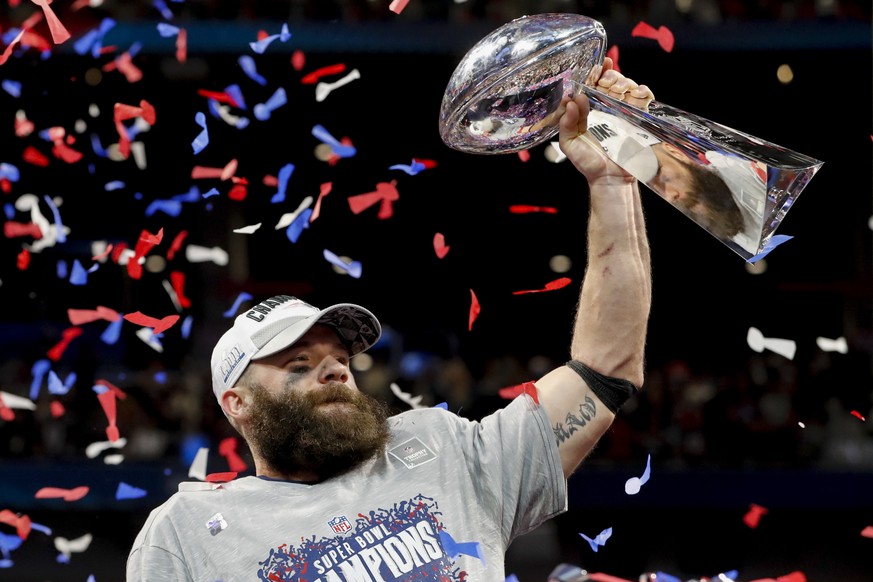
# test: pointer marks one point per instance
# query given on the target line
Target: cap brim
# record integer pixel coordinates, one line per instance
(357, 327)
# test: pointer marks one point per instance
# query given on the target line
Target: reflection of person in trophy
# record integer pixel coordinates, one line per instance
(694, 188)
(507, 116)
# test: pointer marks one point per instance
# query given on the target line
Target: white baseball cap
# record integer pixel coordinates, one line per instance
(275, 324)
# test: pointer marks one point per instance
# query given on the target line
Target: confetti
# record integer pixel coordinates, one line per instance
(93, 450)
(858, 415)
(832, 345)
(125, 491)
(314, 76)
(68, 547)
(216, 524)
(197, 469)
(475, 309)
(662, 34)
(599, 539)
(397, 6)
(74, 494)
(324, 190)
(202, 140)
(284, 175)
(385, 195)
(243, 296)
(752, 518)
(412, 169)
(774, 242)
(633, 485)
(340, 149)
(158, 325)
(227, 448)
(298, 225)
(412, 401)
(439, 245)
(323, 89)
(550, 286)
(867, 532)
(249, 67)
(759, 343)
(263, 111)
(261, 45)
(454, 549)
(528, 388)
(248, 229)
(525, 209)
(353, 268)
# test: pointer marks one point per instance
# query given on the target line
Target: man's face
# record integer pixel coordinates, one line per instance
(306, 413)
(673, 180)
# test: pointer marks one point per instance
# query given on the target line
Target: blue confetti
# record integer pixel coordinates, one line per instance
(338, 148)
(186, 327)
(235, 93)
(263, 111)
(251, 70)
(301, 222)
(202, 140)
(599, 539)
(126, 491)
(284, 176)
(114, 185)
(112, 332)
(261, 45)
(12, 87)
(39, 369)
(61, 269)
(79, 276)
(454, 549)
(411, 169)
(774, 242)
(243, 296)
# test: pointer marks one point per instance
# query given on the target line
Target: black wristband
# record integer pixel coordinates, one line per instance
(613, 392)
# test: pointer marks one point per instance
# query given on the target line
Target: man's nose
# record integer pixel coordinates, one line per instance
(333, 370)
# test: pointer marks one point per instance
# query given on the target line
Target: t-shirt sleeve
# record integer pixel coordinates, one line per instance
(516, 468)
(147, 563)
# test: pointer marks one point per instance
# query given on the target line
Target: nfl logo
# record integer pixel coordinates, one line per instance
(340, 524)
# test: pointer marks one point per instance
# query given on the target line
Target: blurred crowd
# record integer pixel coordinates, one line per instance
(768, 412)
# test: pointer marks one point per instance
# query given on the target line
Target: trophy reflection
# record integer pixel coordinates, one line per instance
(505, 96)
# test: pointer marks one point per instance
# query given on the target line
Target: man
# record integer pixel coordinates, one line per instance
(341, 493)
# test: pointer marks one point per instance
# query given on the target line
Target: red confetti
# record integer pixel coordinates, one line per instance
(227, 448)
(600, 577)
(475, 309)
(147, 241)
(36, 41)
(112, 388)
(513, 391)
(221, 97)
(124, 112)
(662, 34)
(6, 413)
(238, 192)
(59, 32)
(20, 523)
(298, 60)
(107, 401)
(385, 193)
(314, 76)
(124, 64)
(221, 477)
(613, 54)
(177, 279)
(524, 155)
(324, 191)
(74, 494)
(525, 208)
(176, 245)
(67, 336)
(857, 414)
(11, 46)
(23, 260)
(753, 516)
(12, 229)
(57, 409)
(80, 316)
(159, 325)
(397, 6)
(33, 156)
(867, 532)
(182, 45)
(23, 126)
(550, 286)
(439, 245)
(428, 164)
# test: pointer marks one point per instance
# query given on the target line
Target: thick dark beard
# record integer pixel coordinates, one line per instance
(292, 433)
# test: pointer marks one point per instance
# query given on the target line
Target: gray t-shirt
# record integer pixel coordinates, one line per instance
(442, 503)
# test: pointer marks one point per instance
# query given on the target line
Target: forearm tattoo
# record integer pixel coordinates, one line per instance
(587, 412)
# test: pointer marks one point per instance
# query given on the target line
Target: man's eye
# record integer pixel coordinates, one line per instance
(299, 369)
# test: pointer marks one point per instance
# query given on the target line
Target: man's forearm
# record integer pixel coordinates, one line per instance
(611, 322)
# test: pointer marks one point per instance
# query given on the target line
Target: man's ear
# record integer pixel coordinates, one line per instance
(235, 401)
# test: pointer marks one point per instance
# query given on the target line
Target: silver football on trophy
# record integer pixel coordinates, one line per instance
(504, 94)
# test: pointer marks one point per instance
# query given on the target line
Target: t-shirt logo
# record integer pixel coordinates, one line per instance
(413, 453)
(340, 524)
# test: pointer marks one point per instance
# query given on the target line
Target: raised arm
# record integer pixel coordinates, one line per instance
(613, 310)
